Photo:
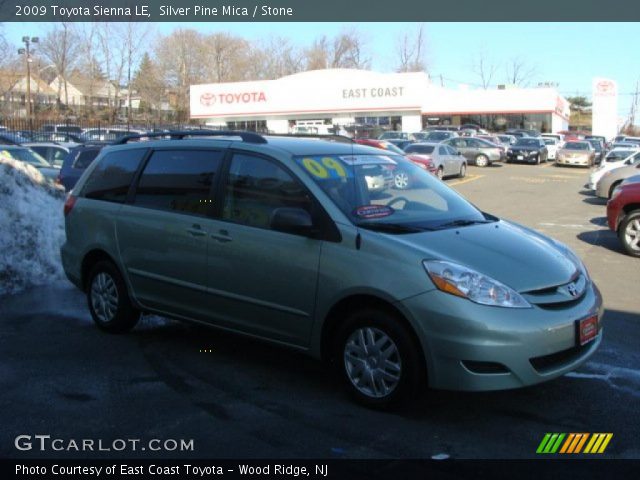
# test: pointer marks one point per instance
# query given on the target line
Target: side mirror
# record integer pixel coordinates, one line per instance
(292, 220)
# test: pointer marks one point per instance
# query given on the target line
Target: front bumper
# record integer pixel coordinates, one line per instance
(578, 161)
(465, 342)
(523, 156)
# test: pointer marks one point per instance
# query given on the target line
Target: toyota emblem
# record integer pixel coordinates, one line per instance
(573, 291)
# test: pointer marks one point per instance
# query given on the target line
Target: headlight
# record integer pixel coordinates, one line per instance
(466, 283)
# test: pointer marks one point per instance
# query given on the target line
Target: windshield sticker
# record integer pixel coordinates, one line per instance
(356, 160)
(324, 167)
(373, 211)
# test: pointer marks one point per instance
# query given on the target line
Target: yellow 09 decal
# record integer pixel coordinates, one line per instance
(326, 167)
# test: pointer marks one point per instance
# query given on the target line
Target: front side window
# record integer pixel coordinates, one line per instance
(179, 181)
(256, 187)
(111, 178)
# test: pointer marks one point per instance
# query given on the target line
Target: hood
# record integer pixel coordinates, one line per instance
(516, 256)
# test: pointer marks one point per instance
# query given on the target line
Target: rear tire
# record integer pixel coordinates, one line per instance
(440, 173)
(629, 233)
(463, 171)
(108, 299)
(379, 361)
(482, 161)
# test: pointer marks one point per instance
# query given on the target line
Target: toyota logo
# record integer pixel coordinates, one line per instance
(207, 99)
(572, 289)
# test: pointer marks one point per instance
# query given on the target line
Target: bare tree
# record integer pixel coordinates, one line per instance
(519, 72)
(277, 58)
(179, 56)
(150, 86)
(410, 50)
(133, 35)
(345, 50)
(60, 47)
(485, 69)
(226, 57)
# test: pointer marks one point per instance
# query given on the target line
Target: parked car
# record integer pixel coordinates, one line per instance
(76, 162)
(26, 155)
(613, 160)
(635, 140)
(51, 152)
(507, 140)
(107, 134)
(598, 148)
(523, 132)
(611, 179)
(395, 291)
(10, 138)
(382, 144)
(401, 143)
(449, 128)
(58, 137)
(62, 128)
(438, 135)
(623, 215)
(477, 151)
(528, 149)
(579, 153)
(615, 145)
(445, 159)
(552, 145)
(603, 140)
(557, 136)
(395, 135)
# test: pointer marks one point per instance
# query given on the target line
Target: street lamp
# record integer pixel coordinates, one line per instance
(27, 51)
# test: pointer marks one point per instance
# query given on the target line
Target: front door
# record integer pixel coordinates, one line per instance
(262, 281)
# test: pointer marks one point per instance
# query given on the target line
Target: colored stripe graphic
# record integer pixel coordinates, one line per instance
(550, 443)
(573, 443)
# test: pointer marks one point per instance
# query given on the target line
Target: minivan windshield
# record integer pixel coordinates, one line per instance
(363, 187)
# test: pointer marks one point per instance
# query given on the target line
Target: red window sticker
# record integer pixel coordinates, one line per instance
(373, 211)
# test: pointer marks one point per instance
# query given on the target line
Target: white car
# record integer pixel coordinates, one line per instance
(557, 136)
(552, 147)
(614, 159)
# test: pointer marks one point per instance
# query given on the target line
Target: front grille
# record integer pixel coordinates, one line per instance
(559, 296)
(554, 361)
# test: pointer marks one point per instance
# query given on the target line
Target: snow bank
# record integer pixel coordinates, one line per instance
(31, 227)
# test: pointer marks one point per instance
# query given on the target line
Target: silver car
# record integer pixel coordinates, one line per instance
(446, 161)
(280, 239)
(611, 179)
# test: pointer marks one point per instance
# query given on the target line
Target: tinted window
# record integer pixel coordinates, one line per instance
(179, 181)
(442, 151)
(85, 157)
(256, 187)
(111, 178)
(451, 151)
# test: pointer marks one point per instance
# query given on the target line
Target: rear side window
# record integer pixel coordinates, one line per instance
(111, 178)
(179, 181)
(84, 158)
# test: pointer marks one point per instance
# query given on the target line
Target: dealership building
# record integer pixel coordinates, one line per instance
(360, 100)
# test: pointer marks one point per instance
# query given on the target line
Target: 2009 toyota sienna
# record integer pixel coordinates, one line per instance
(280, 238)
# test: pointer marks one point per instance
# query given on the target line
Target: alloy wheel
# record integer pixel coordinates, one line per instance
(632, 235)
(104, 297)
(372, 362)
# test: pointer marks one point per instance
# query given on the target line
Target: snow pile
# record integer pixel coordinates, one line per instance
(31, 227)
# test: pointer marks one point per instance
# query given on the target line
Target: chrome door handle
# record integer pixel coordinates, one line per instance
(196, 231)
(222, 236)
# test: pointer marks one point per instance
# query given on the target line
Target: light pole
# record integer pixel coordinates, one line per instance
(27, 55)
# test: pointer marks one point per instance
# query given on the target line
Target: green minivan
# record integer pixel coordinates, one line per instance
(283, 239)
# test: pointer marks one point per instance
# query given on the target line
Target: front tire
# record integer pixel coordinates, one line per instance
(108, 299)
(629, 233)
(378, 359)
(482, 161)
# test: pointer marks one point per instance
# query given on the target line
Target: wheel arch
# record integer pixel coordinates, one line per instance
(89, 260)
(344, 306)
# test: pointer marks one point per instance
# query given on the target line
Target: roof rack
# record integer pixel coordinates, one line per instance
(249, 137)
(321, 136)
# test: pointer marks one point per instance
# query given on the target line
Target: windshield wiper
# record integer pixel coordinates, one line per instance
(391, 227)
(462, 223)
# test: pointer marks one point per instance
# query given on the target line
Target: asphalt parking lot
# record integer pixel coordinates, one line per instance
(237, 397)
